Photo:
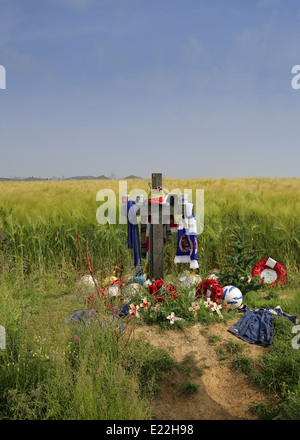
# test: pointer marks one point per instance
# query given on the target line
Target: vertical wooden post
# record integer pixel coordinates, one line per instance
(156, 245)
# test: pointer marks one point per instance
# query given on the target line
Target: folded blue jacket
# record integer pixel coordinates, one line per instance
(256, 326)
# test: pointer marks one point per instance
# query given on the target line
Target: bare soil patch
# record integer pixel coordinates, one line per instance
(222, 393)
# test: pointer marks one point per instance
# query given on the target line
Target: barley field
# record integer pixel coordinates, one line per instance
(40, 222)
(46, 229)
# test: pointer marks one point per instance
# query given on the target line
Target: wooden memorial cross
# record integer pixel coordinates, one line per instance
(156, 239)
(160, 215)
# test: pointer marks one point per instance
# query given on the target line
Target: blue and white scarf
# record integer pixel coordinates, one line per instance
(187, 243)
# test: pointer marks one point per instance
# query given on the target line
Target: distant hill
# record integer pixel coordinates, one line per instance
(88, 178)
(132, 177)
(103, 178)
(33, 179)
(30, 179)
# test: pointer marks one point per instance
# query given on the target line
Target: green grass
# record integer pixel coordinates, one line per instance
(235, 347)
(45, 374)
(212, 339)
(188, 388)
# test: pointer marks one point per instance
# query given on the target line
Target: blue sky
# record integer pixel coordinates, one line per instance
(189, 88)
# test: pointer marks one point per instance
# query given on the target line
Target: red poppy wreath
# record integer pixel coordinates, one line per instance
(270, 271)
(209, 288)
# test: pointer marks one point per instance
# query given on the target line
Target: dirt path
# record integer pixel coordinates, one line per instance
(222, 393)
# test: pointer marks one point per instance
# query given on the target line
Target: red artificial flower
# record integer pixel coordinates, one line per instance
(217, 294)
(213, 286)
(152, 289)
(159, 283)
(172, 288)
(159, 298)
(118, 282)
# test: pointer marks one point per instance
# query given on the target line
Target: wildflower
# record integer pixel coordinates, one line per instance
(156, 308)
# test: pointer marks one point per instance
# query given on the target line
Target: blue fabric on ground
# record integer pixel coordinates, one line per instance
(256, 326)
(86, 317)
(138, 280)
(124, 310)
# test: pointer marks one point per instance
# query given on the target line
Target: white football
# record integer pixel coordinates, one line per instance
(233, 296)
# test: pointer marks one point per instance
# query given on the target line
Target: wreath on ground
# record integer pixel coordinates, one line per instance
(270, 271)
(210, 288)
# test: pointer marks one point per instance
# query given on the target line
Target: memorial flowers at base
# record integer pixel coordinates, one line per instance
(171, 303)
(159, 301)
